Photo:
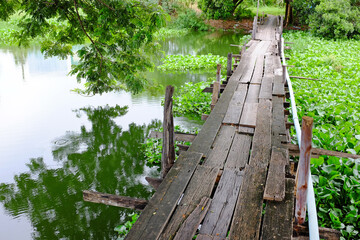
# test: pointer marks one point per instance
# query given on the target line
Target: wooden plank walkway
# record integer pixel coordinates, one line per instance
(232, 179)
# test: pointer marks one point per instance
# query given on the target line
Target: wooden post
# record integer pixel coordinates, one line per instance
(254, 28)
(216, 87)
(303, 169)
(229, 63)
(168, 147)
(284, 73)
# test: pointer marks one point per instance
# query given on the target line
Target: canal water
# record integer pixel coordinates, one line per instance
(55, 143)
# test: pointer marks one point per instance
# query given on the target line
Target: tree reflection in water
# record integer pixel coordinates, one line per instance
(105, 159)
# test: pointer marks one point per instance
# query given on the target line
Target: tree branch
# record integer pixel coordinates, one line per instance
(87, 35)
(106, 5)
(238, 3)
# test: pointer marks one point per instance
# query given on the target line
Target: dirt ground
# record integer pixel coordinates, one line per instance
(245, 24)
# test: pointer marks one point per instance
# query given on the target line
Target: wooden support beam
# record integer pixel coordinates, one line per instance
(210, 89)
(154, 182)
(216, 87)
(114, 200)
(325, 233)
(294, 151)
(168, 147)
(182, 137)
(303, 172)
(229, 63)
(204, 117)
(315, 79)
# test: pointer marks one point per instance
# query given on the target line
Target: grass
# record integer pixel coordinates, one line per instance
(269, 10)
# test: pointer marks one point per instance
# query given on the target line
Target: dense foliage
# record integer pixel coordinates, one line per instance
(123, 229)
(329, 18)
(335, 19)
(189, 19)
(192, 62)
(223, 9)
(115, 33)
(333, 102)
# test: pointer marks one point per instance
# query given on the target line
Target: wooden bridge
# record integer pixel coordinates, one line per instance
(235, 178)
(235, 181)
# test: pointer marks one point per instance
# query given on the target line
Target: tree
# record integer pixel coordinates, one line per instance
(215, 9)
(115, 37)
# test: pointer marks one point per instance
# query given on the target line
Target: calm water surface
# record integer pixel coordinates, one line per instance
(55, 143)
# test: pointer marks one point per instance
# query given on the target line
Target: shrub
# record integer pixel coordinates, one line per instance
(302, 9)
(242, 12)
(335, 19)
(215, 9)
(190, 19)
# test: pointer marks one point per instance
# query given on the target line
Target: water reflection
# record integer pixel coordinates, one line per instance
(103, 158)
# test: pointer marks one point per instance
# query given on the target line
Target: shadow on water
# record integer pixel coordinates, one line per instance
(104, 158)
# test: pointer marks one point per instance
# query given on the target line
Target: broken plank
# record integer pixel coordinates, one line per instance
(248, 117)
(221, 147)
(166, 196)
(200, 185)
(191, 224)
(217, 219)
(114, 200)
(282, 212)
(239, 152)
(236, 105)
(247, 215)
(261, 147)
(246, 130)
(325, 233)
(275, 183)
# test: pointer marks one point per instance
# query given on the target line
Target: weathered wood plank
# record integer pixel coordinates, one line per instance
(283, 213)
(208, 237)
(236, 105)
(258, 71)
(200, 185)
(166, 196)
(191, 224)
(221, 147)
(247, 216)
(217, 219)
(114, 200)
(278, 127)
(248, 117)
(278, 88)
(184, 137)
(275, 183)
(266, 87)
(253, 94)
(239, 152)
(261, 147)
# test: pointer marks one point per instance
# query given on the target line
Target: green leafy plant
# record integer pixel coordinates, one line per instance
(191, 62)
(191, 101)
(123, 229)
(333, 102)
